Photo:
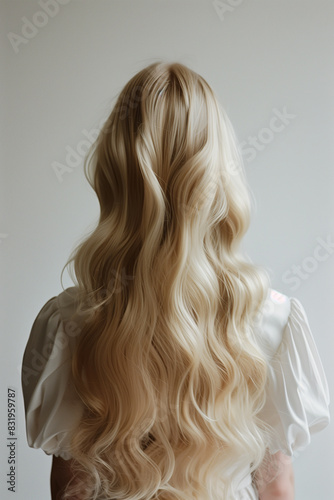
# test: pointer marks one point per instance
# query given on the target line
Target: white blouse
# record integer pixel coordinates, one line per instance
(297, 396)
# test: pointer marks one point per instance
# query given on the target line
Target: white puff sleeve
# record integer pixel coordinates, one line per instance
(297, 403)
(52, 407)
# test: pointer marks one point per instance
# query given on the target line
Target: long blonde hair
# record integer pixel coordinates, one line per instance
(167, 365)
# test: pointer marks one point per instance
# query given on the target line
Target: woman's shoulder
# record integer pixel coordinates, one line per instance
(282, 320)
(67, 302)
(272, 320)
(297, 395)
(52, 335)
(65, 307)
(52, 407)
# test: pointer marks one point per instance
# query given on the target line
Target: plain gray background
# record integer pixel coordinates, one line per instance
(63, 65)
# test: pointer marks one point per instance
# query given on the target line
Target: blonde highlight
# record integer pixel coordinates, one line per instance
(166, 365)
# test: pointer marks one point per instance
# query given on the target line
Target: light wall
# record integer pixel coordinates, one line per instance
(63, 64)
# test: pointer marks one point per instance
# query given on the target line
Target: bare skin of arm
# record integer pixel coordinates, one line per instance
(280, 488)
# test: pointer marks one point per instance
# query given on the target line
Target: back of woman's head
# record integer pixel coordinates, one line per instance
(166, 365)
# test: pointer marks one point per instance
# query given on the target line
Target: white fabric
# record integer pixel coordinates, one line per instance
(297, 396)
(52, 406)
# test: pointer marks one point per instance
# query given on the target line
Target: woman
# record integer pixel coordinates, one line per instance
(171, 370)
